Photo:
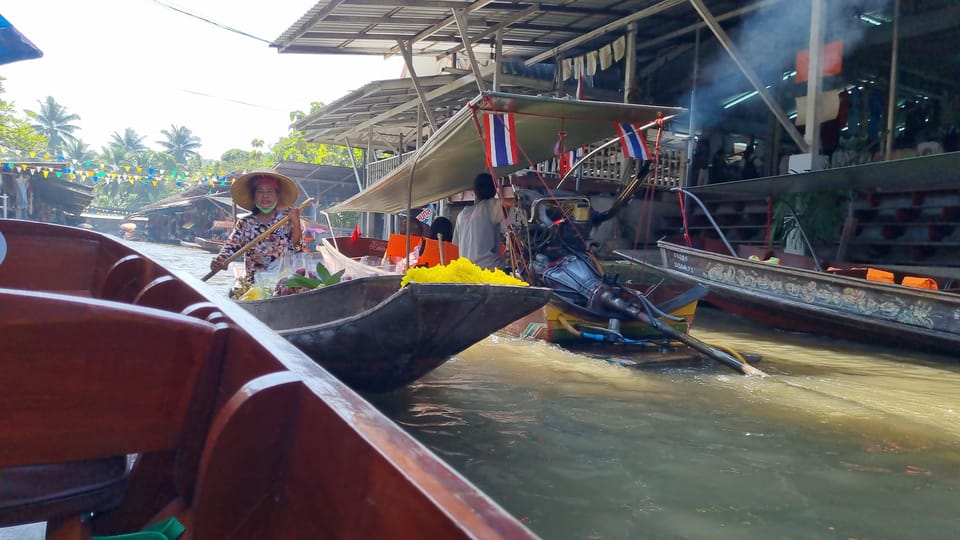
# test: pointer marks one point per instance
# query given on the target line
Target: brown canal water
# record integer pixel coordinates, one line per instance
(841, 440)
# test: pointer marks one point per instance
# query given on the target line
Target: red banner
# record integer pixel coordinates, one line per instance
(832, 61)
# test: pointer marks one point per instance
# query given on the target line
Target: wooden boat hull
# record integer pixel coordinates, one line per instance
(238, 433)
(554, 321)
(557, 321)
(211, 246)
(818, 302)
(377, 337)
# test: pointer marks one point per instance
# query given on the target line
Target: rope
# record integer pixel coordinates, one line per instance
(683, 217)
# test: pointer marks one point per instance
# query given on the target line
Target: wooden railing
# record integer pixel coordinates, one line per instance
(604, 165)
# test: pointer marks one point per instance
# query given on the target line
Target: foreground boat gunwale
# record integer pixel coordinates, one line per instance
(450, 501)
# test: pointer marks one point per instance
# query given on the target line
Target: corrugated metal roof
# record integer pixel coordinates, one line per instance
(373, 26)
(768, 32)
(384, 113)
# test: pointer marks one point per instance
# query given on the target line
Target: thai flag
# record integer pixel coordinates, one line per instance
(501, 139)
(571, 158)
(632, 141)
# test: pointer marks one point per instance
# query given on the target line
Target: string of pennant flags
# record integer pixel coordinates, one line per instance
(127, 173)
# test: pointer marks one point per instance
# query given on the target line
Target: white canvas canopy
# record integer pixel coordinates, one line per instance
(449, 160)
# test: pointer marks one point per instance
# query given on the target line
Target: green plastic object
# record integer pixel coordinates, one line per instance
(168, 529)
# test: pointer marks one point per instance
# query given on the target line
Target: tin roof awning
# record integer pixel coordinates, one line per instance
(935, 171)
(362, 27)
(447, 162)
(70, 196)
(382, 115)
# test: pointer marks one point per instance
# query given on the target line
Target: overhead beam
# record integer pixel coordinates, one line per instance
(758, 85)
(607, 28)
(461, 18)
(408, 58)
(696, 26)
(496, 28)
(474, 6)
(439, 92)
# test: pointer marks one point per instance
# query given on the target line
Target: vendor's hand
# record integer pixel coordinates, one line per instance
(218, 263)
(294, 214)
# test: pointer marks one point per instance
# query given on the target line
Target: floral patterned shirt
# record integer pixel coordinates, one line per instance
(265, 252)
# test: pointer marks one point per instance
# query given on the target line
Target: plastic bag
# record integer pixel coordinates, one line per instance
(409, 261)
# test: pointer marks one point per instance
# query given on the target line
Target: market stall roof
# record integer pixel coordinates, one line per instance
(448, 161)
(935, 171)
(70, 196)
(329, 176)
(370, 114)
(529, 28)
(768, 33)
(186, 198)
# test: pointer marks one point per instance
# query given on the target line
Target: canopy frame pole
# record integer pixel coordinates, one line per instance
(460, 15)
(356, 166)
(814, 79)
(408, 60)
(892, 94)
(498, 55)
(758, 85)
(691, 139)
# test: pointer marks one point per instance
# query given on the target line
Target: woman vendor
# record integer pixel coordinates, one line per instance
(270, 197)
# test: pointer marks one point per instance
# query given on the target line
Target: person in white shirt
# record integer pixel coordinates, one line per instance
(477, 234)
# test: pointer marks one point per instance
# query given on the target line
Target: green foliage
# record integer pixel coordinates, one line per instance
(78, 151)
(821, 215)
(17, 136)
(294, 147)
(325, 278)
(180, 143)
(345, 219)
(55, 123)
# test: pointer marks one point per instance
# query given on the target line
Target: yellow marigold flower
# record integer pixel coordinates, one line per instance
(460, 270)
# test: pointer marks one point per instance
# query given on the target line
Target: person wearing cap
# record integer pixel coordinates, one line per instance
(269, 196)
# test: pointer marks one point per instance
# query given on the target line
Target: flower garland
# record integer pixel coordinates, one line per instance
(460, 270)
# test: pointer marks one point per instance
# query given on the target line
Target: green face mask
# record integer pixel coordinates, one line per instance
(266, 209)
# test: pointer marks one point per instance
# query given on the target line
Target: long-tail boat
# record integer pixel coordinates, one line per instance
(900, 305)
(132, 395)
(552, 249)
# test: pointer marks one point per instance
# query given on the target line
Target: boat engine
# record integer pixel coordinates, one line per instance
(556, 233)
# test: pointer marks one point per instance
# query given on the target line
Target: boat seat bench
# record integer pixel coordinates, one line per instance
(74, 408)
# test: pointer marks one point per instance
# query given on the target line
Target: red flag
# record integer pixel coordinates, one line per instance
(356, 233)
(563, 164)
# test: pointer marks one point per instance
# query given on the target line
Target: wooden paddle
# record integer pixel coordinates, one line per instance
(254, 242)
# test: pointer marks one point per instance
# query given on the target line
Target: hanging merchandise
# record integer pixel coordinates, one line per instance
(619, 47)
(592, 63)
(606, 56)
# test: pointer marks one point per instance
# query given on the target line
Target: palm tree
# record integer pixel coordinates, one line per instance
(181, 143)
(54, 123)
(130, 146)
(79, 151)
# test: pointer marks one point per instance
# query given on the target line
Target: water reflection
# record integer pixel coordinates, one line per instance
(841, 441)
